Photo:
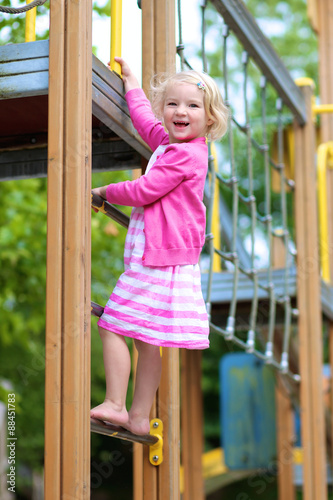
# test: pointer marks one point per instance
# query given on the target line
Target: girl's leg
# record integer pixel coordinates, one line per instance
(147, 380)
(117, 364)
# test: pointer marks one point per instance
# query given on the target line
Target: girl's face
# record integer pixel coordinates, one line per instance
(184, 113)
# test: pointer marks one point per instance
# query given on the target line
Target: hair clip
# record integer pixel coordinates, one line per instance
(201, 85)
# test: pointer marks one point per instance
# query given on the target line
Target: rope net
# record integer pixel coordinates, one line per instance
(20, 10)
(257, 250)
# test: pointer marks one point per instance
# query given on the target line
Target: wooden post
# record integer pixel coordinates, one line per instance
(285, 443)
(309, 306)
(284, 411)
(160, 482)
(325, 38)
(67, 391)
(192, 424)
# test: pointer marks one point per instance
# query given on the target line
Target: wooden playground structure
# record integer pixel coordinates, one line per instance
(73, 91)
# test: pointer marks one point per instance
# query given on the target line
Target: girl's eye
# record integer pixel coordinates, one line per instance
(193, 105)
(171, 104)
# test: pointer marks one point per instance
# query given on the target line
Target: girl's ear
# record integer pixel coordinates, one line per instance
(210, 122)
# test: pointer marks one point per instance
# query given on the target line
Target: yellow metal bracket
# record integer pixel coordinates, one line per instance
(156, 449)
(322, 108)
(325, 161)
(101, 208)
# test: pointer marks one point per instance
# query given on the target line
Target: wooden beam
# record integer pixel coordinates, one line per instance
(162, 482)
(325, 38)
(107, 155)
(285, 443)
(284, 410)
(310, 321)
(67, 393)
(192, 424)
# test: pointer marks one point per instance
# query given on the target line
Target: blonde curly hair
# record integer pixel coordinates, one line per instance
(215, 108)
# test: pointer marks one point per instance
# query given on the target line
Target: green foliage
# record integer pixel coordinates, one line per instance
(12, 26)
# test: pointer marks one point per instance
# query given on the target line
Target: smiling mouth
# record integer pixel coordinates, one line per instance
(181, 124)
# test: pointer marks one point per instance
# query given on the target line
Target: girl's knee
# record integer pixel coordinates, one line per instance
(107, 334)
(102, 332)
(145, 348)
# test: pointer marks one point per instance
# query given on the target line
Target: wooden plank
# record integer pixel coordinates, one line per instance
(29, 66)
(24, 52)
(325, 39)
(148, 43)
(18, 62)
(110, 114)
(325, 46)
(24, 73)
(67, 395)
(32, 162)
(285, 443)
(12, 87)
(54, 324)
(284, 409)
(161, 483)
(192, 424)
(309, 323)
(76, 253)
(111, 78)
(168, 410)
(109, 105)
(223, 285)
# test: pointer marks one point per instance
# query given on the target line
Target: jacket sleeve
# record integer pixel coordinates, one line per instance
(172, 168)
(144, 121)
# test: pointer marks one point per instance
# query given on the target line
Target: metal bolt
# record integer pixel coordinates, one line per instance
(155, 458)
(155, 424)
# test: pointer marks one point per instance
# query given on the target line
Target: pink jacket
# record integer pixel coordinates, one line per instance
(171, 192)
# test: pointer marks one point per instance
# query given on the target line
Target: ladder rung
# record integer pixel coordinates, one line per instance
(111, 430)
(96, 309)
(109, 210)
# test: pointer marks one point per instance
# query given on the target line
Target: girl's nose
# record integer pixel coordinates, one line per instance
(181, 110)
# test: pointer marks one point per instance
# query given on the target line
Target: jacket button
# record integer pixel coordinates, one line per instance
(144, 230)
(143, 258)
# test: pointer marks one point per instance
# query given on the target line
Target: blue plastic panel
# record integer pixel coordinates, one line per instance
(247, 399)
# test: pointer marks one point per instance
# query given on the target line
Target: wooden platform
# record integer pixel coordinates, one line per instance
(24, 115)
(222, 288)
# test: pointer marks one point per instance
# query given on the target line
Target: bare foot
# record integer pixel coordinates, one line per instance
(108, 412)
(138, 425)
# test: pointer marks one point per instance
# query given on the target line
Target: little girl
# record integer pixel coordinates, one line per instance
(158, 299)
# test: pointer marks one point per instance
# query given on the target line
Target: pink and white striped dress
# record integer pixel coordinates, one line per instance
(163, 305)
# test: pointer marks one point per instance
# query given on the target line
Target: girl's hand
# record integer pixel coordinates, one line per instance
(100, 191)
(129, 79)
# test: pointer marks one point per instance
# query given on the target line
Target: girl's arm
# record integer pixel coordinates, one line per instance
(150, 129)
(175, 165)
